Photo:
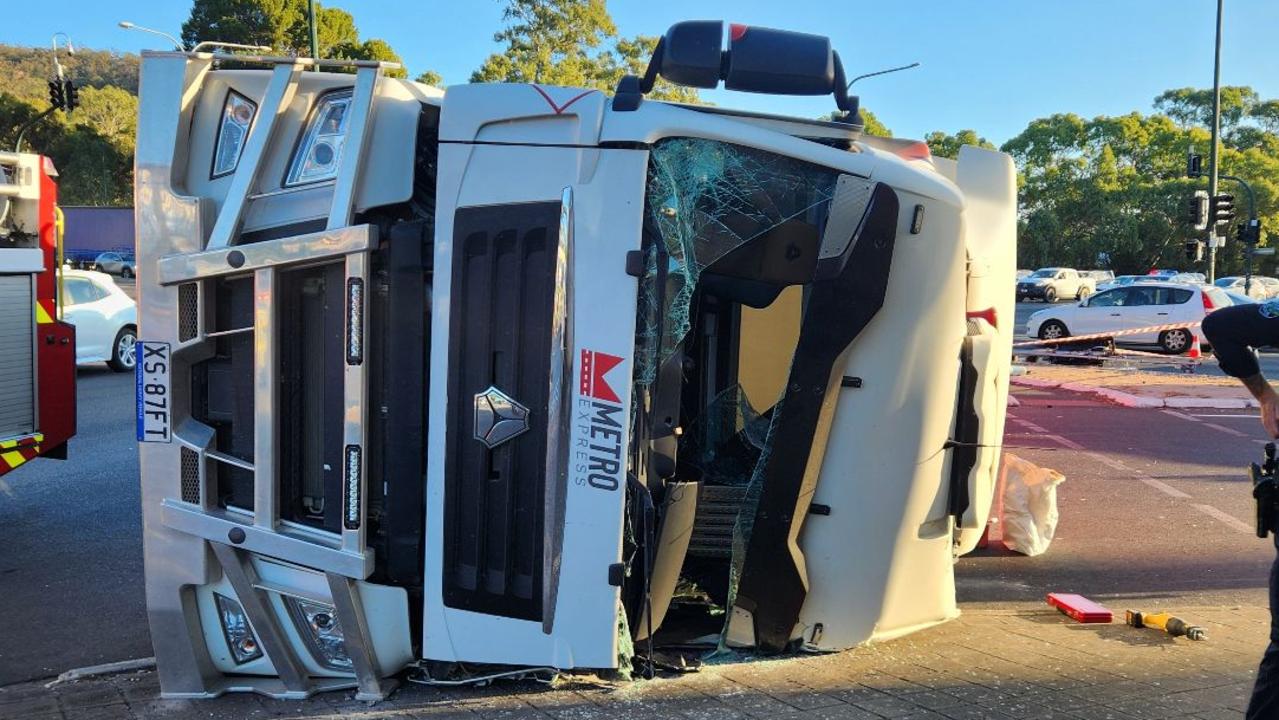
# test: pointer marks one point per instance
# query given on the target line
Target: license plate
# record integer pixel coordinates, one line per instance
(154, 394)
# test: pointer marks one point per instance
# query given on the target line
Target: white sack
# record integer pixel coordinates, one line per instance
(1028, 512)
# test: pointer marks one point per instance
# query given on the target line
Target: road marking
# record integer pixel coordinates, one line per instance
(1110, 462)
(1219, 515)
(1253, 416)
(1214, 426)
(1226, 430)
(1226, 518)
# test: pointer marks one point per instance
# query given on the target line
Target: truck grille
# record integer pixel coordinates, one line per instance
(500, 337)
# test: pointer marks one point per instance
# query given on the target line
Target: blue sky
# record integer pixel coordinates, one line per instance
(990, 65)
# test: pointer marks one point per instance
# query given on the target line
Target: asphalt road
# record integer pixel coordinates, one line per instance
(1154, 513)
(71, 569)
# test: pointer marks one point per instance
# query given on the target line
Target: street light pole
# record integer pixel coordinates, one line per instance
(1216, 139)
(315, 43)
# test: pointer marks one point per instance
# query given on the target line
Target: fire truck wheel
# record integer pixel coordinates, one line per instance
(122, 357)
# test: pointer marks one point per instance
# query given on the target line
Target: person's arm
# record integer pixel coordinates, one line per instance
(1267, 399)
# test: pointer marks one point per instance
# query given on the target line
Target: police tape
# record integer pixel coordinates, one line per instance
(1107, 335)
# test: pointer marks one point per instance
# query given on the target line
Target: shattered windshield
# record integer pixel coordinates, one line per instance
(706, 198)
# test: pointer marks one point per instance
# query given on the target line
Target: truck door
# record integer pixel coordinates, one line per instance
(533, 334)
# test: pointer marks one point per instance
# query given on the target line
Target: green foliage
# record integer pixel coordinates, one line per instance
(283, 25)
(1111, 191)
(373, 49)
(92, 147)
(567, 42)
(430, 77)
(871, 124)
(942, 145)
(254, 22)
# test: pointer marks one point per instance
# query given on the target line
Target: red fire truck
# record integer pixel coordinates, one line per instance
(37, 369)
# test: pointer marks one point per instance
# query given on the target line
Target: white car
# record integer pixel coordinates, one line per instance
(1235, 284)
(105, 318)
(1135, 306)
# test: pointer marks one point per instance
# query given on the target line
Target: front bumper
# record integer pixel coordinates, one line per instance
(1031, 291)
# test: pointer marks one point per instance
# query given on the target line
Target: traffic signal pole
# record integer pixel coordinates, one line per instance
(1213, 156)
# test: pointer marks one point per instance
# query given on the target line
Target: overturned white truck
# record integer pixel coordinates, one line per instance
(513, 374)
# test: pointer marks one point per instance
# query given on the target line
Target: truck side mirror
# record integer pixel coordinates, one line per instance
(690, 53)
(760, 60)
(764, 60)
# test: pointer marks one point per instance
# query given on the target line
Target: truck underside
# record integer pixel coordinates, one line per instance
(520, 375)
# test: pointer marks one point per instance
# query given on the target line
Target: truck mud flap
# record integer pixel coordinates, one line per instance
(847, 292)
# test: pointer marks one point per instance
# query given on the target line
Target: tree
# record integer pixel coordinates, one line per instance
(549, 41)
(253, 22)
(110, 112)
(871, 124)
(572, 43)
(1193, 106)
(283, 24)
(947, 146)
(372, 49)
(430, 77)
(1112, 189)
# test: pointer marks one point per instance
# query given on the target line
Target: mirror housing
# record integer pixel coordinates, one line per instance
(690, 53)
(760, 60)
(764, 60)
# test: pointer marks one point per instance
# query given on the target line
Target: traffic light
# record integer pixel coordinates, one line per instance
(1197, 210)
(1223, 209)
(71, 93)
(1250, 232)
(1194, 251)
(1194, 165)
(56, 97)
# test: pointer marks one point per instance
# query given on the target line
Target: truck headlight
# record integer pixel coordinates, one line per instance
(317, 157)
(319, 628)
(235, 627)
(237, 116)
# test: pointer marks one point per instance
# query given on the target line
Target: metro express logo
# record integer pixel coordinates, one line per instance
(597, 453)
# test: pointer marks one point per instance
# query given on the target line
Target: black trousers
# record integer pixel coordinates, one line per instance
(1265, 693)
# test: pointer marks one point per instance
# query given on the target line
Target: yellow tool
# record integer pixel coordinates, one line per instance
(1167, 622)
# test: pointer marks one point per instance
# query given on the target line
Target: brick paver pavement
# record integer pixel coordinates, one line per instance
(1011, 661)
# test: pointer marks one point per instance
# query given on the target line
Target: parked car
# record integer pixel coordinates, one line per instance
(1162, 272)
(1269, 284)
(1135, 306)
(1126, 280)
(1239, 298)
(105, 318)
(1099, 276)
(79, 259)
(115, 263)
(1022, 273)
(1189, 278)
(1235, 284)
(1051, 284)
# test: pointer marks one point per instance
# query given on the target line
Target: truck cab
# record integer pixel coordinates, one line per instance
(484, 376)
(37, 368)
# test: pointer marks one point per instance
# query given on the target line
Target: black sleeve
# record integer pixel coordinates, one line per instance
(1233, 332)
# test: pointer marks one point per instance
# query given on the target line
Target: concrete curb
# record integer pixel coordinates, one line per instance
(1126, 399)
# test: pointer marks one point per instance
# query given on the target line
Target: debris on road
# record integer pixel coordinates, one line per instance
(1028, 505)
(1169, 623)
(1080, 608)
